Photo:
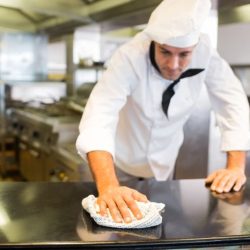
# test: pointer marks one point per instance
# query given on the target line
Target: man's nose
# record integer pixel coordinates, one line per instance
(173, 63)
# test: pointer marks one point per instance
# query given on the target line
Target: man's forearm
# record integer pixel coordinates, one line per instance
(103, 171)
(236, 160)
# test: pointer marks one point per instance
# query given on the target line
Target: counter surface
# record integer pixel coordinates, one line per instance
(49, 215)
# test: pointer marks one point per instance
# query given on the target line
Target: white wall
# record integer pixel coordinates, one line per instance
(234, 43)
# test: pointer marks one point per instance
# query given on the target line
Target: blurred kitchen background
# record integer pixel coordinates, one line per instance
(52, 53)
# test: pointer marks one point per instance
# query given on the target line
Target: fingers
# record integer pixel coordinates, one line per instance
(121, 203)
(133, 207)
(223, 182)
(239, 183)
(109, 204)
(226, 180)
(210, 178)
(123, 208)
(228, 183)
(139, 196)
(102, 207)
(115, 211)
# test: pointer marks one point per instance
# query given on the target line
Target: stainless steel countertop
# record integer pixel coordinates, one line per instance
(57, 122)
(49, 215)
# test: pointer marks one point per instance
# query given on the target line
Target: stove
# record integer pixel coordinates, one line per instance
(37, 132)
(46, 133)
(66, 165)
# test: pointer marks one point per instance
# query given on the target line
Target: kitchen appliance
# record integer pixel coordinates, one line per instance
(37, 132)
(18, 94)
(46, 133)
(64, 164)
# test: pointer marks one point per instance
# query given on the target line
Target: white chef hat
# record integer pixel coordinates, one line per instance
(178, 22)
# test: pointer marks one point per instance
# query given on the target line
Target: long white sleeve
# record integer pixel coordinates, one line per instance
(99, 121)
(229, 103)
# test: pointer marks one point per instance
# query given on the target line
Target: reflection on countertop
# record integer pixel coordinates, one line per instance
(194, 217)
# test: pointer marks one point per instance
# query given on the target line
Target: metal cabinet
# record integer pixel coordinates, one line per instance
(31, 162)
(65, 165)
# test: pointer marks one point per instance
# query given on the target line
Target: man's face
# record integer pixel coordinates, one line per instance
(172, 61)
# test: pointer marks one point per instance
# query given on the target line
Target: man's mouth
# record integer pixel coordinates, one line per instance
(172, 73)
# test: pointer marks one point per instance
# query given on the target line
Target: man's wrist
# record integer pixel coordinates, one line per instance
(102, 168)
(236, 160)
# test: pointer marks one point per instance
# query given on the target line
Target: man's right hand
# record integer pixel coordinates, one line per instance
(120, 200)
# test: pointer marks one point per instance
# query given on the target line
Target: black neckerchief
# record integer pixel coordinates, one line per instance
(169, 92)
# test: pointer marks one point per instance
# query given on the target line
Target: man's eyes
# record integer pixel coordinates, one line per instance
(183, 55)
(164, 52)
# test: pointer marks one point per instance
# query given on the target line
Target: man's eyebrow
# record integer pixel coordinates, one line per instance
(181, 52)
(162, 48)
(185, 52)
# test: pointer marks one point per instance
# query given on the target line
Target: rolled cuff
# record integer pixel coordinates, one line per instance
(92, 141)
(234, 140)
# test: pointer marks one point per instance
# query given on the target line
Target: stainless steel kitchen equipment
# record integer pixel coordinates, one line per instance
(37, 132)
(46, 135)
(64, 164)
(18, 94)
(54, 213)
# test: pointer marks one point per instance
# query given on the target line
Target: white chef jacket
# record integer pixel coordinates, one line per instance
(124, 116)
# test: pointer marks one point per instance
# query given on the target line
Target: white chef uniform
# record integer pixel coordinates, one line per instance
(124, 116)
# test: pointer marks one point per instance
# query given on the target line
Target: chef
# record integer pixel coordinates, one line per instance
(133, 122)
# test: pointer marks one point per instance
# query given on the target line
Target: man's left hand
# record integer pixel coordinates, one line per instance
(225, 180)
